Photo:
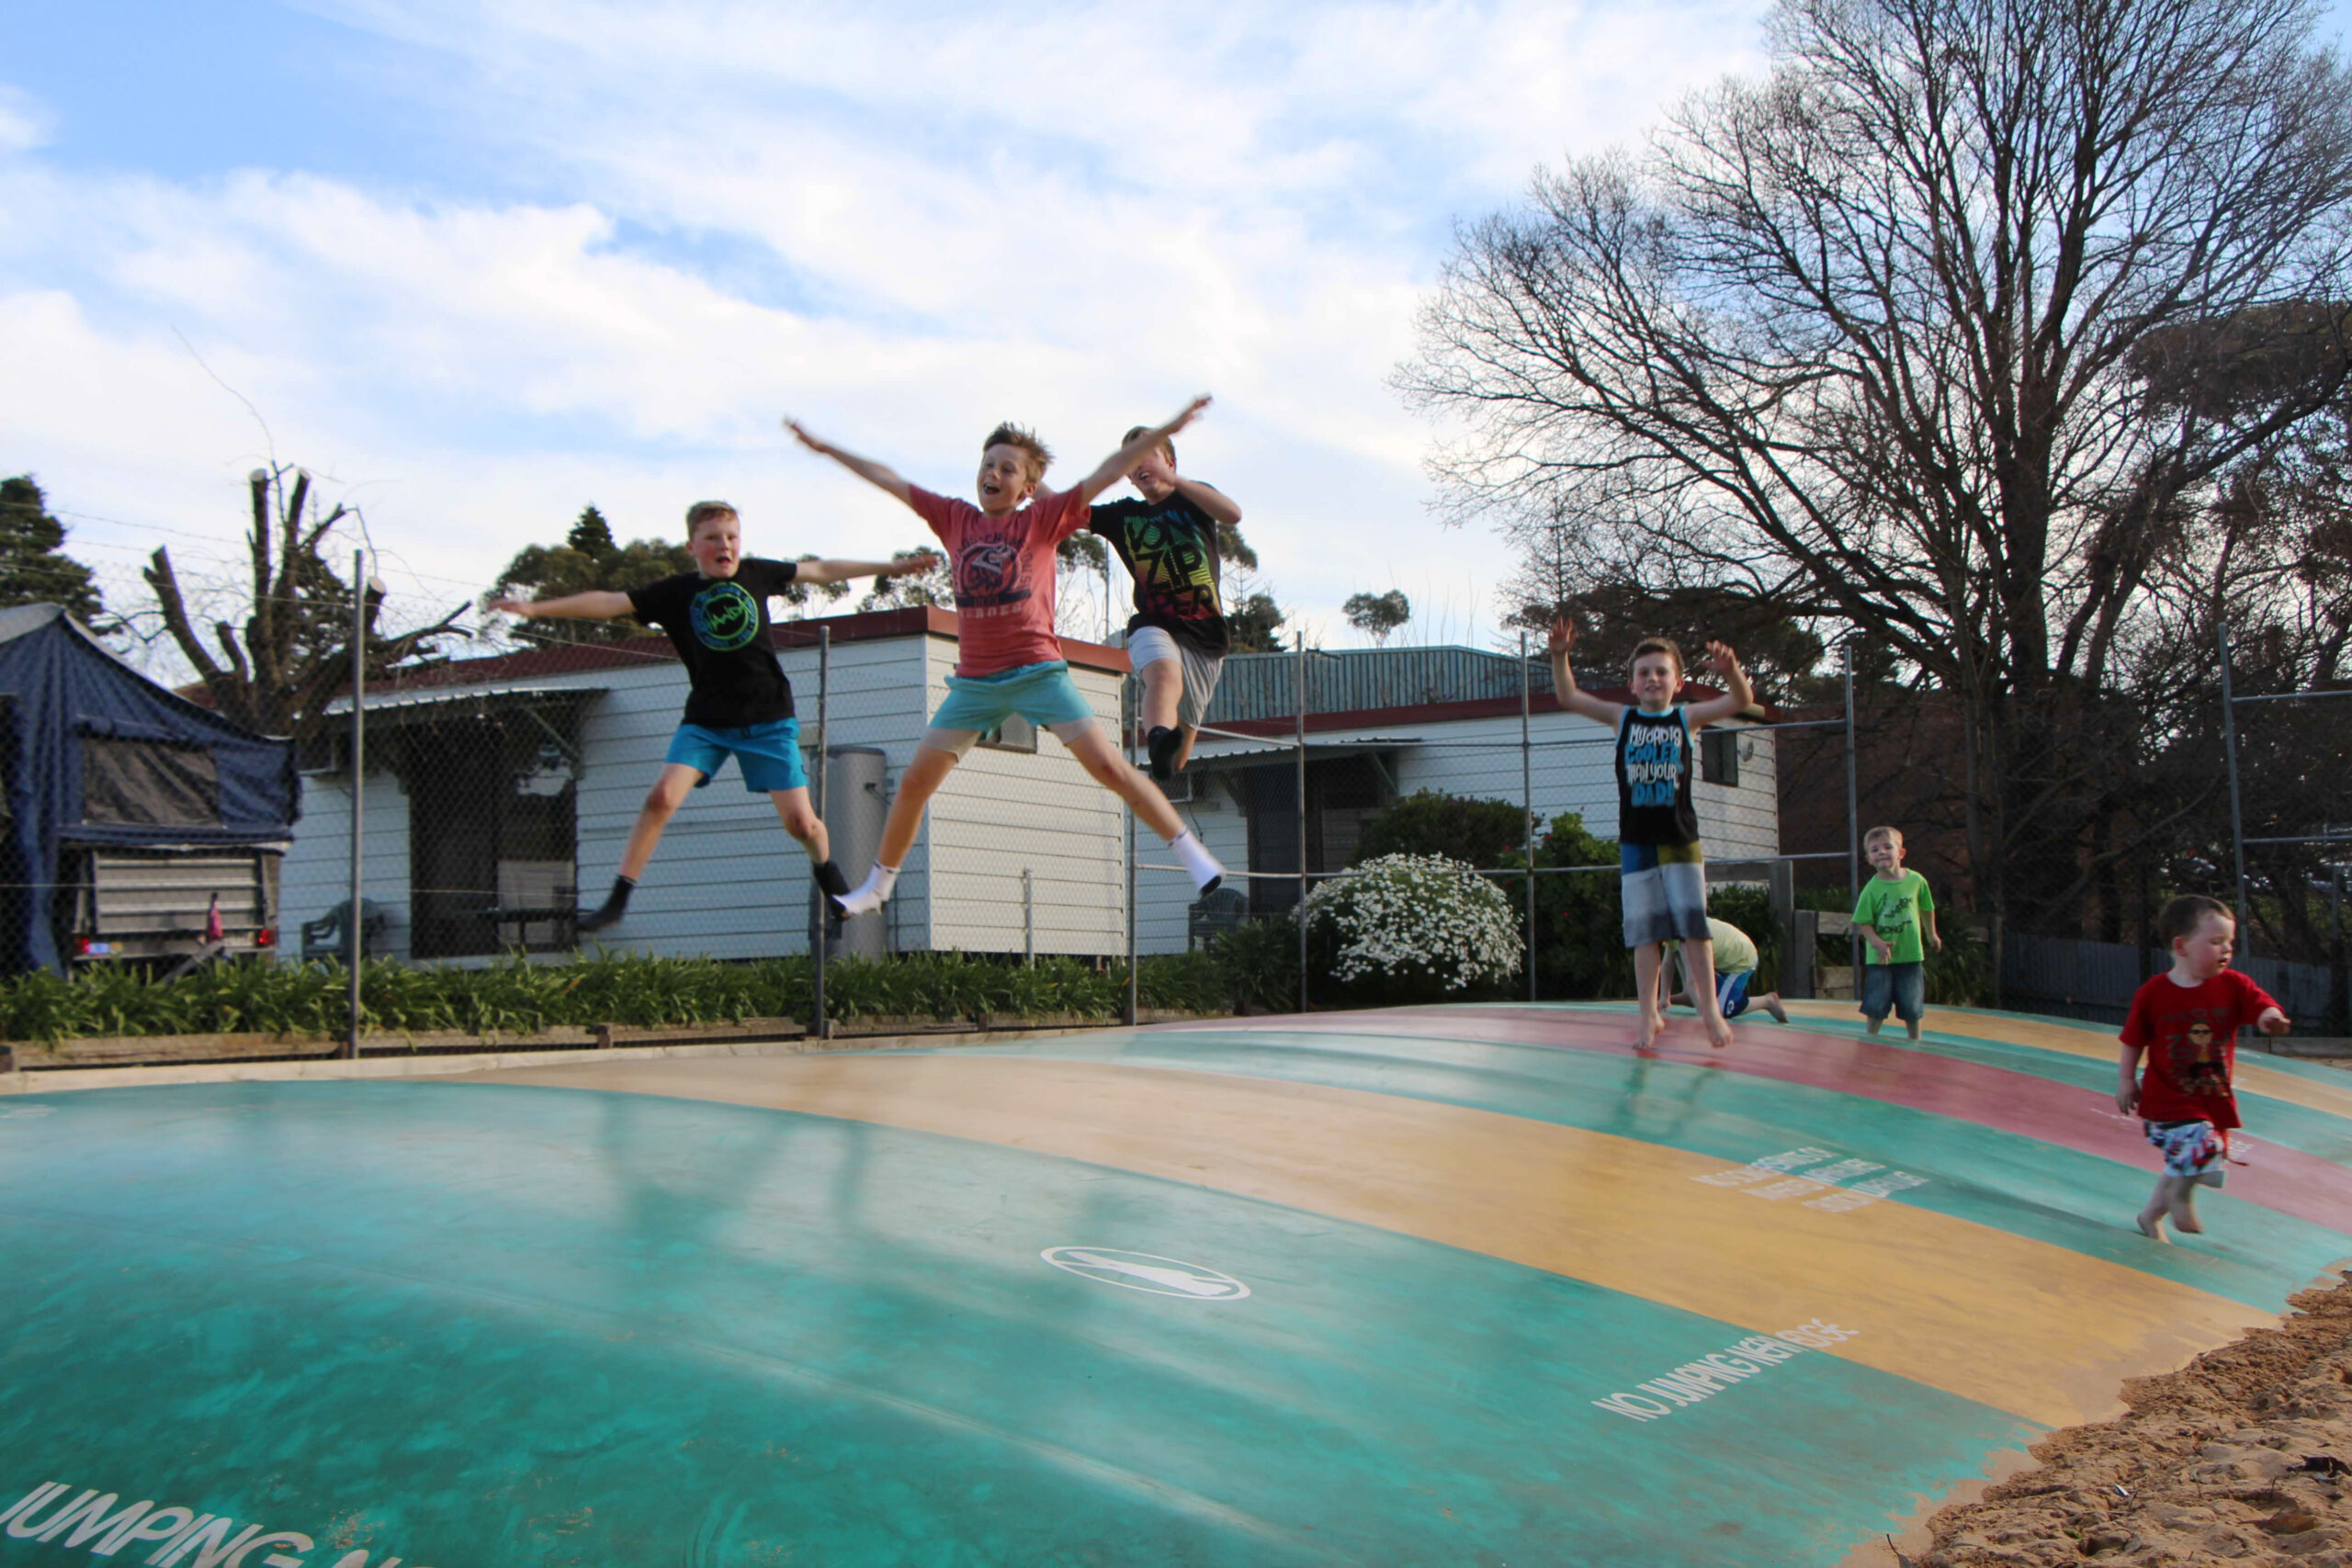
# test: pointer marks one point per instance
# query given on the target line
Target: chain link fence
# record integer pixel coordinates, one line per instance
(468, 812)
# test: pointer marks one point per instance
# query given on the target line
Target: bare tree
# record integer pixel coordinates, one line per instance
(1859, 339)
(278, 669)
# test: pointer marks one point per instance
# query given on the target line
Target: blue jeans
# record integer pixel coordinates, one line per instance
(1900, 989)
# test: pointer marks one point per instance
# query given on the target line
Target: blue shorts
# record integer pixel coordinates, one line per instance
(768, 753)
(1900, 989)
(1731, 991)
(1042, 693)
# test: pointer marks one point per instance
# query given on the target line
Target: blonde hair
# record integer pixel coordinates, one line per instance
(1893, 835)
(703, 511)
(1025, 440)
(1167, 446)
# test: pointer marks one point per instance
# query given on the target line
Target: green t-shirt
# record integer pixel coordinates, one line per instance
(1733, 951)
(1891, 906)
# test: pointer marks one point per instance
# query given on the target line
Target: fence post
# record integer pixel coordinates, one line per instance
(2237, 818)
(822, 933)
(1029, 922)
(1301, 741)
(353, 925)
(1128, 733)
(1853, 824)
(1527, 803)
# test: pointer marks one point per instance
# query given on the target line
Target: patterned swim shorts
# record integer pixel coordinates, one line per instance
(2194, 1149)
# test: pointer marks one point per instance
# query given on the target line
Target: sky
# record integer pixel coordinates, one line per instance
(476, 266)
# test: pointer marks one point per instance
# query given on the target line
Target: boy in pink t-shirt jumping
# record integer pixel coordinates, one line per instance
(1001, 553)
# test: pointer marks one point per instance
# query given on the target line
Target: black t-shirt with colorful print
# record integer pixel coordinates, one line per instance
(720, 627)
(1170, 549)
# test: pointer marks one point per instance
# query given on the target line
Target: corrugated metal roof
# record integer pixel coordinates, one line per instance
(450, 697)
(1284, 746)
(1265, 685)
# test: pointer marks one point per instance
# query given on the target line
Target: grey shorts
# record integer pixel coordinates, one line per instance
(1148, 644)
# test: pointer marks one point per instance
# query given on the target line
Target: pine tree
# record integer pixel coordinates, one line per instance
(31, 569)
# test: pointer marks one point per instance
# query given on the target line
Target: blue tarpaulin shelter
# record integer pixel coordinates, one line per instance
(93, 753)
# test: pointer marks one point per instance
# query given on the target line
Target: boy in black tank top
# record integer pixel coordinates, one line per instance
(1662, 879)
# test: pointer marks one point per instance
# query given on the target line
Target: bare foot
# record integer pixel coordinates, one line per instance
(1773, 1005)
(1651, 1027)
(1718, 1032)
(2151, 1225)
(2183, 1215)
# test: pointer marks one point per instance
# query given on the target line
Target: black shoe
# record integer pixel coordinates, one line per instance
(1161, 746)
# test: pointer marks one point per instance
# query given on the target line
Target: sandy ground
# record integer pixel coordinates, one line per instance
(2243, 1455)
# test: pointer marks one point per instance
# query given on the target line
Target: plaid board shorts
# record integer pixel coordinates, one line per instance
(2194, 1149)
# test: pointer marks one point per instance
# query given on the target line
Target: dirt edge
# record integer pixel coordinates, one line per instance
(2243, 1456)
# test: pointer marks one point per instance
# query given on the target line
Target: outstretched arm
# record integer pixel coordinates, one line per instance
(1738, 695)
(1119, 464)
(1564, 680)
(597, 605)
(866, 469)
(842, 570)
(1209, 498)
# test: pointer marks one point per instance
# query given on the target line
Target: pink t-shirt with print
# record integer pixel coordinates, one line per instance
(1003, 570)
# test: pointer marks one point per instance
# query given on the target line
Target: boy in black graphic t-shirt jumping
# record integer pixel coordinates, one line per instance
(1177, 638)
(740, 704)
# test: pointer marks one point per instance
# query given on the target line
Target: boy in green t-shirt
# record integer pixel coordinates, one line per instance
(1894, 912)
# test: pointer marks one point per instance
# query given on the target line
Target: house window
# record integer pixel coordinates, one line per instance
(491, 834)
(1343, 794)
(1719, 756)
(1015, 734)
(149, 783)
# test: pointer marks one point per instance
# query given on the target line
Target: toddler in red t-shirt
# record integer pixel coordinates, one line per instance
(2186, 1022)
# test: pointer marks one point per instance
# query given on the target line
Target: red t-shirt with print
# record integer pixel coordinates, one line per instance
(1002, 567)
(2189, 1034)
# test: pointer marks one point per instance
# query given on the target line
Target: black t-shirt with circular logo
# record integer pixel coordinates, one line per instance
(720, 627)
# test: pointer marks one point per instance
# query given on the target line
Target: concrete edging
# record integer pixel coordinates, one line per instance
(63, 1080)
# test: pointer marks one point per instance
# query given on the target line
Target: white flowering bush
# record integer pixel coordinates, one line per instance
(1413, 927)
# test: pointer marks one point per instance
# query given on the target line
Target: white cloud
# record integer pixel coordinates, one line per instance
(1077, 218)
(25, 121)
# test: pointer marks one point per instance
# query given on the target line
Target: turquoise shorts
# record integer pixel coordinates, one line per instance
(1042, 693)
(768, 753)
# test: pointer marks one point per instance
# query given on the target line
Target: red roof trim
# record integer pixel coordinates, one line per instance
(570, 659)
(1482, 707)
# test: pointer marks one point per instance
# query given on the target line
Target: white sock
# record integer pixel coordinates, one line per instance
(1206, 872)
(869, 895)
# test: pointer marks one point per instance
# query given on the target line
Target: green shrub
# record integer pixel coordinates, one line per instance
(1579, 923)
(1259, 963)
(514, 997)
(1481, 833)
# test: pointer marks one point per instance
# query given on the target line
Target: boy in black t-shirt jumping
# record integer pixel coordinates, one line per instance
(1177, 638)
(740, 704)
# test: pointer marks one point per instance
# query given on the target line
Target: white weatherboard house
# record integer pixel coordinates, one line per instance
(1382, 723)
(498, 789)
